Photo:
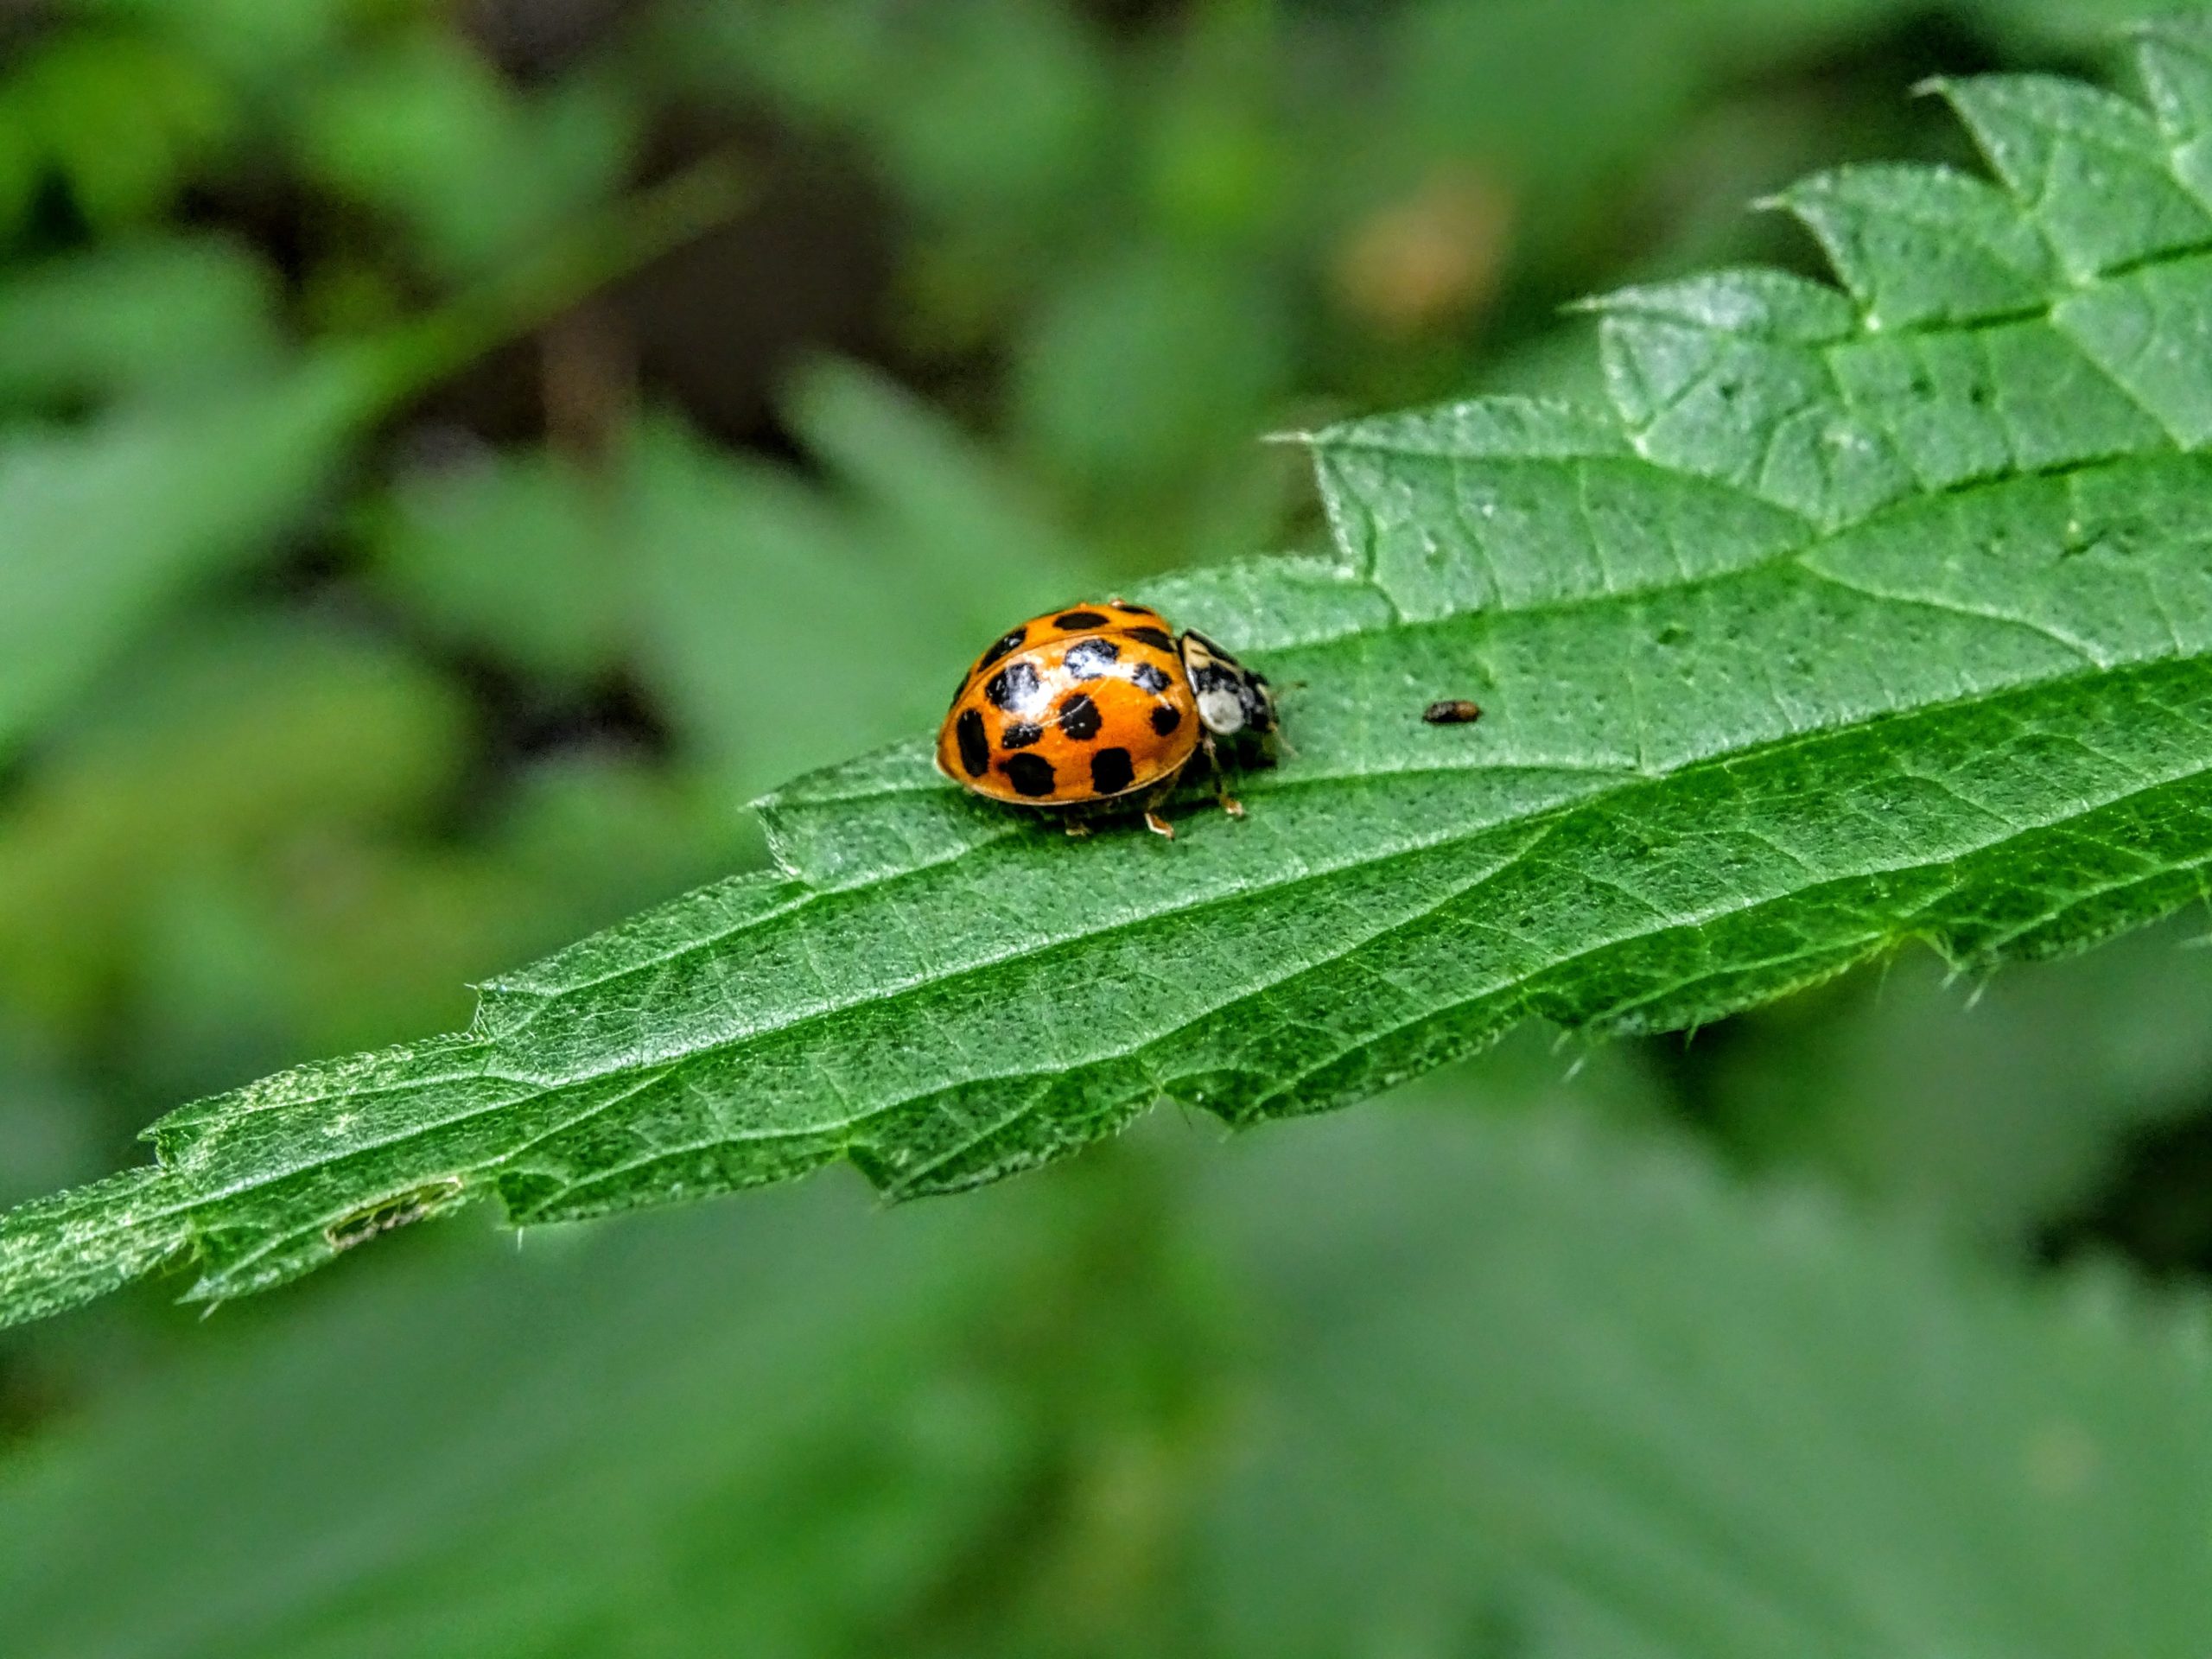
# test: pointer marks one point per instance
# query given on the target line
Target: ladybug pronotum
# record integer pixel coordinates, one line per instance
(1098, 708)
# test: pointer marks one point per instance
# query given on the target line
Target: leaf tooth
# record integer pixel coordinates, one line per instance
(1543, 530)
(1923, 246)
(2091, 168)
(2174, 56)
(1753, 300)
(1522, 429)
(1750, 398)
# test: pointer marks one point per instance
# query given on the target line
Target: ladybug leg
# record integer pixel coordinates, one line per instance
(1157, 825)
(1075, 827)
(1230, 804)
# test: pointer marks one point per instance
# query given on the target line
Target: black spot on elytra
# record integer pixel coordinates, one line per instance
(1079, 718)
(1088, 659)
(1019, 734)
(1135, 609)
(1016, 689)
(1030, 774)
(974, 747)
(1159, 638)
(1080, 619)
(1166, 717)
(1150, 677)
(1007, 641)
(1110, 772)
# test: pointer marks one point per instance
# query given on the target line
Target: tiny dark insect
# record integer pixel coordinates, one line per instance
(1451, 711)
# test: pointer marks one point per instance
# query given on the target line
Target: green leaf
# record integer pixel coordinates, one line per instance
(1145, 360)
(321, 733)
(1823, 636)
(217, 438)
(455, 541)
(119, 117)
(979, 108)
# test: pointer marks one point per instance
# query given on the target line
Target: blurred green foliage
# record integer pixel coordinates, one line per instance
(336, 672)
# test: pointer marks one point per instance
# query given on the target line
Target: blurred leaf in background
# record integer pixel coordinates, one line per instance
(112, 520)
(117, 118)
(1608, 1406)
(426, 133)
(1986, 1110)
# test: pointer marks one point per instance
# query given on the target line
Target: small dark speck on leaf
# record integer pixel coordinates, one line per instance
(1451, 711)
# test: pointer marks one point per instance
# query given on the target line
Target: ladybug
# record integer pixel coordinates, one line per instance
(1098, 708)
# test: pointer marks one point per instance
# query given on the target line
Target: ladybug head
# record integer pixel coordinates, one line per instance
(1233, 701)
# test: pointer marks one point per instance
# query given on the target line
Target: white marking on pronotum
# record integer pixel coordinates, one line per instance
(1221, 710)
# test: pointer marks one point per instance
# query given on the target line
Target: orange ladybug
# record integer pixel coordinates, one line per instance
(1099, 708)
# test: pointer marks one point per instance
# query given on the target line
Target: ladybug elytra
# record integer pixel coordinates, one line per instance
(1098, 708)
